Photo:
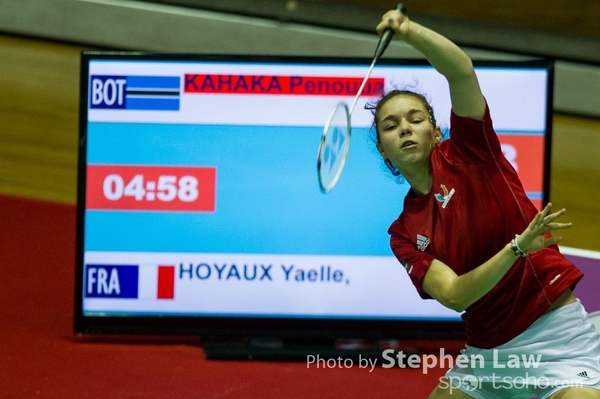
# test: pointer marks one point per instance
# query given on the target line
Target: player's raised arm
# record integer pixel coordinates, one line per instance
(447, 58)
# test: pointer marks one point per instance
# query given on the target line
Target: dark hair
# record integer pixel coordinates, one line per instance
(375, 105)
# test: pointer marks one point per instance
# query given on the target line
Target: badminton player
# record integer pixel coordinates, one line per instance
(470, 238)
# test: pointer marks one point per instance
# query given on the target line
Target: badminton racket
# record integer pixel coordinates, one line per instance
(335, 140)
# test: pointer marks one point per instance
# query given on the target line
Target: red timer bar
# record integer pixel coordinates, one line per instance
(151, 188)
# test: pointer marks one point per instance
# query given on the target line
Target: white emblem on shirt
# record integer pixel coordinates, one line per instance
(407, 266)
(445, 198)
(422, 242)
(554, 279)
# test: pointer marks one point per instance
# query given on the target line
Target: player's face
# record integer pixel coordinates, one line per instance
(406, 134)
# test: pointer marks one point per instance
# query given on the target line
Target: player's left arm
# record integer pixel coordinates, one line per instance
(460, 292)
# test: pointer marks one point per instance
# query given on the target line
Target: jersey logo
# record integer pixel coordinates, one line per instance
(407, 266)
(444, 199)
(583, 374)
(422, 242)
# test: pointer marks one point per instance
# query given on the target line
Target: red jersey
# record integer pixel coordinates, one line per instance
(475, 207)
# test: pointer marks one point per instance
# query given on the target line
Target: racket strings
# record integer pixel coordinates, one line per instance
(334, 148)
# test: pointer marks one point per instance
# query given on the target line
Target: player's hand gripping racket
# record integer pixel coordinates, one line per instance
(335, 141)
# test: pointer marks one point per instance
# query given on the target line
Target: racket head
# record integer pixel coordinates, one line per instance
(333, 149)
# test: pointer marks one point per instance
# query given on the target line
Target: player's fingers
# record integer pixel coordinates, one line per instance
(543, 217)
(552, 240)
(554, 216)
(544, 212)
(558, 226)
(537, 221)
(387, 21)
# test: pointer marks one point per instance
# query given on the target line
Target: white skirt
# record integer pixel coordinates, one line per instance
(559, 350)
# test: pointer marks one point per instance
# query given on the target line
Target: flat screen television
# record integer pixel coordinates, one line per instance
(199, 210)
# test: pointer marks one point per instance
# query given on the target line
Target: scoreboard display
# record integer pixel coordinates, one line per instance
(198, 200)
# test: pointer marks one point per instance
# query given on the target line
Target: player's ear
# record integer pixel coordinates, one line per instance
(380, 149)
(437, 134)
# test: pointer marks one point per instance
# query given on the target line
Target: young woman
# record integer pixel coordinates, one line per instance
(470, 238)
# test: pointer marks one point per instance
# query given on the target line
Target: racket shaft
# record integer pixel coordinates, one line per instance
(362, 87)
(382, 45)
(386, 36)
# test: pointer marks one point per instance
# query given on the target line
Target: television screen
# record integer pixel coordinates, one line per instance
(199, 210)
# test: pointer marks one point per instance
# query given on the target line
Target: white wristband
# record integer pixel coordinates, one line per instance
(514, 245)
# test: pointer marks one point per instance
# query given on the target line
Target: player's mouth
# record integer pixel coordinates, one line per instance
(408, 144)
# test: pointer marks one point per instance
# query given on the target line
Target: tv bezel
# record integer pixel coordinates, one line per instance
(281, 327)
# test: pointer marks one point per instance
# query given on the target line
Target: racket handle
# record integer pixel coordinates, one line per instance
(387, 35)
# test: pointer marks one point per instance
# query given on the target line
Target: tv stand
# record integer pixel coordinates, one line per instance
(313, 351)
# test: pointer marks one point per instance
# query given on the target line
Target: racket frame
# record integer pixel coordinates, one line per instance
(325, 188)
